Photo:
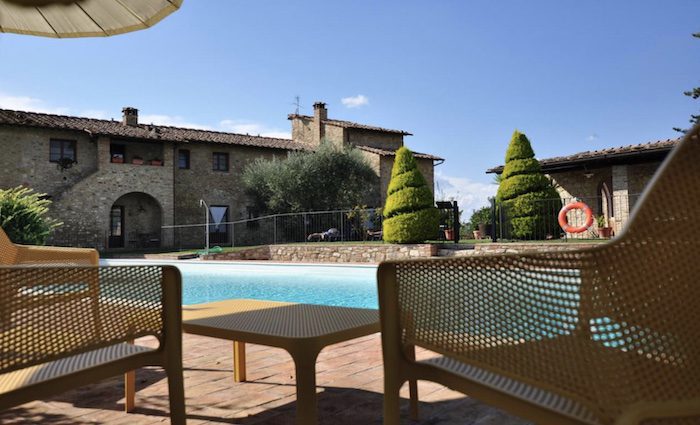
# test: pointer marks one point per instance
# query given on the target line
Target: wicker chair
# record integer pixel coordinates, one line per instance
(609, 335)
(62, 327)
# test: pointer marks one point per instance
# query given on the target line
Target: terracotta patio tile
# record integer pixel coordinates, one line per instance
(350, 379)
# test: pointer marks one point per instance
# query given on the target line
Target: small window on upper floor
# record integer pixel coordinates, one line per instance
(219, 161)
(183, 159)
(62, 150)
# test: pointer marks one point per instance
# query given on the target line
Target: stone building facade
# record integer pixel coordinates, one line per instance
(610, 180)
(114, 184)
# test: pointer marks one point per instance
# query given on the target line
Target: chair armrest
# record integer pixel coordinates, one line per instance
(28, 254)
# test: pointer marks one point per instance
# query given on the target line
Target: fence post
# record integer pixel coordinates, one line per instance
(342, 227)
(494, 238)
(274, 231)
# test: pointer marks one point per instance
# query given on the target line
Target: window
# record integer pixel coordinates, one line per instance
(62, 149)
(218, 224)
(183, 159)
(220, 161)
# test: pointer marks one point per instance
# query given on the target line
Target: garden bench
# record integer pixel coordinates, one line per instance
(608, 335)
(66, 326)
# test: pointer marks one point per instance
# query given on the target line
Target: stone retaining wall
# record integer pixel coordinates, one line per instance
(331, 253)
(338, 253)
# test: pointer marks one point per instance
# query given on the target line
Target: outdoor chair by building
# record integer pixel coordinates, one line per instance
(608, 335)
(13, 254)
(65, 323)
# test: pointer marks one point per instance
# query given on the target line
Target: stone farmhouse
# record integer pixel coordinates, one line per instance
(115, 183)
(609, 180)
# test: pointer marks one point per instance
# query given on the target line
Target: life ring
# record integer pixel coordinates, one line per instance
(564, 222)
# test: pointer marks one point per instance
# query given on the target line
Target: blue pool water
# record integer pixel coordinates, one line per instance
(350, 286)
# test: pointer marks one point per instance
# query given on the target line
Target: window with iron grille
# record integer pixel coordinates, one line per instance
(62, 150)
(220, 161)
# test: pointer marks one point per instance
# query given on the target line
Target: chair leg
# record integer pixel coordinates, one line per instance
(176, 393)
(129, 391)
(412, 386)
(392, 402)
(239, 374)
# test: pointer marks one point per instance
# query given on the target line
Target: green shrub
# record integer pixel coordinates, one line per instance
(480, 216)
(23, 216)
(525, 192)
(410, 214)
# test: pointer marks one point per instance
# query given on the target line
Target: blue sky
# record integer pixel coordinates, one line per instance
(460, 75)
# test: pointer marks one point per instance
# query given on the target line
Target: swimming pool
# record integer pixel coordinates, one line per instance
(338, 285)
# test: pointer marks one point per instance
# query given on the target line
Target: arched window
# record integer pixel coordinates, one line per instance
(605, 198)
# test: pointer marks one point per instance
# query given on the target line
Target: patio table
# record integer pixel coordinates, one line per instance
(303, 330)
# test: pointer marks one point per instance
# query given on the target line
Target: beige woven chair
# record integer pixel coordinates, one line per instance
(609, 335)
(63, 327)
(13, 254)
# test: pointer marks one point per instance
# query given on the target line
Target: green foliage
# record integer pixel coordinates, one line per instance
(23, 216)
(327, 179)
(600, 221)
(410, 215)
(480, 216)
(524, 190)
(693, 93)
(414, 227)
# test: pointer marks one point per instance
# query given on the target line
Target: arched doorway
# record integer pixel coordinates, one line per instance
(135, 222)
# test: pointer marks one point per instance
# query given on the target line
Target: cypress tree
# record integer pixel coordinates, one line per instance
(524, 191)
(410, 215)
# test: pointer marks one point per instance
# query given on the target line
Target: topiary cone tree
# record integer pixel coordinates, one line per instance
(410, 215)
(525, 192)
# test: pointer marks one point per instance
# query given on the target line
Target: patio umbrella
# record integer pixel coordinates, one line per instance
(82, 18)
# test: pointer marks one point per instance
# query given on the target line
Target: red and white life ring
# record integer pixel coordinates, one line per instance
(564, 222)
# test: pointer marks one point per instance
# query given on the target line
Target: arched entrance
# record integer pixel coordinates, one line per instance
(135, 221)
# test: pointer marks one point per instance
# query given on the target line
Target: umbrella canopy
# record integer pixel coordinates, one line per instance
(82, 18)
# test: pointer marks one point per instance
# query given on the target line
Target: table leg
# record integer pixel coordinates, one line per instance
(305, 367)
(238, 361)
(130, 388)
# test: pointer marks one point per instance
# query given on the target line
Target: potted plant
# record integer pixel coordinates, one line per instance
(155, 161)
(603, 230)
(137, 160)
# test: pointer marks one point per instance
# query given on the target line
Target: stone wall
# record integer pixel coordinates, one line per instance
(331, 253)
(374, 139)
(216, 188)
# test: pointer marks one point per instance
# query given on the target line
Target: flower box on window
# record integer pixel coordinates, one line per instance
(137, 160)
(118, 158)
(157, 162)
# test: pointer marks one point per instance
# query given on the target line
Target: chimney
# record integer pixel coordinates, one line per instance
(318, 128)
(320, 111)
(130, 116)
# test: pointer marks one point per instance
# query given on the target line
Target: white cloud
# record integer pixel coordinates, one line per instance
(355, 101)
(29, 104)
(253, 128)
(171, 120)
(592, 138)
(470, 195)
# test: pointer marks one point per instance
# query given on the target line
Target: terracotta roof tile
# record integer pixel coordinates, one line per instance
(142, 131)
(350, 124)
(384, 152)
(650, 148)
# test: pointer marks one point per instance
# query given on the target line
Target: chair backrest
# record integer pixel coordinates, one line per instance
(132, 301)
(8, 250)
(652, 267)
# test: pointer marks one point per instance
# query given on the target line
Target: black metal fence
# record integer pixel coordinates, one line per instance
(608, 212)
(329, 226)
